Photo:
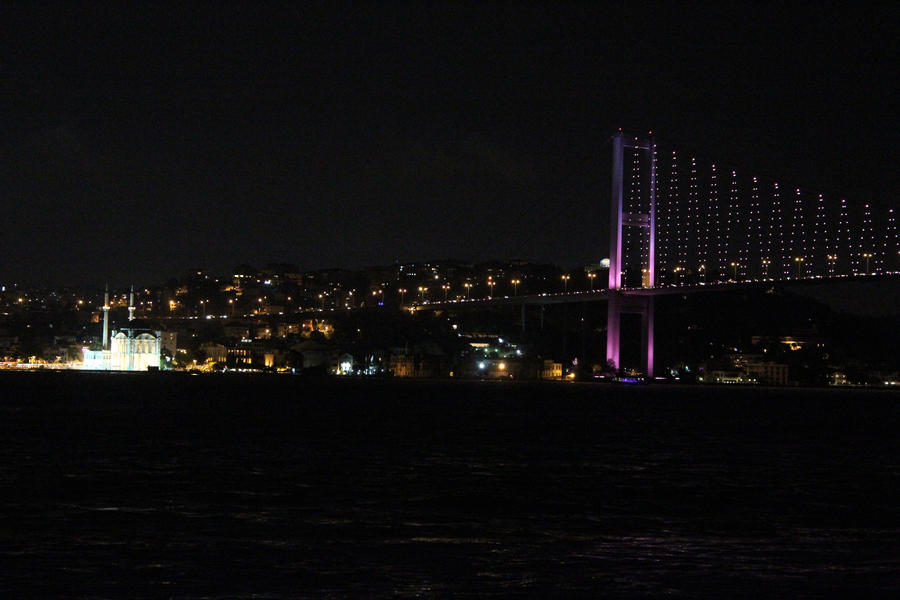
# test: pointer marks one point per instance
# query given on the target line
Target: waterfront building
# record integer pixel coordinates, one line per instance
(239, 355)
(768, 372)
(551, 370)
(214, 352)
(729, 376)
(129, 349)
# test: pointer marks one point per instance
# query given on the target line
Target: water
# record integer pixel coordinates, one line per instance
(170, 486)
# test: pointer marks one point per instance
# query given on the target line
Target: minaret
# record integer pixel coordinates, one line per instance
(131, 305)
(106, 318)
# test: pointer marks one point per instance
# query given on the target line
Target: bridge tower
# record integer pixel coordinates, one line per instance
(638, 217)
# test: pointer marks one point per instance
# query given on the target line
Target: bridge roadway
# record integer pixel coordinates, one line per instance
(602, 295)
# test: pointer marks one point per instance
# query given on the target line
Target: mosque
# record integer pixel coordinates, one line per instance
(129, 349)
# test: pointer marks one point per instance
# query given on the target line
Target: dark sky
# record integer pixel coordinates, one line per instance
(136, 143)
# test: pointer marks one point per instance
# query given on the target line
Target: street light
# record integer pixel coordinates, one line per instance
(867, 256)
(702, 269)
(402, 292)
(231, 302)
(446, 288)
(515, 283)
(491, 285)
(322, 300)
(422, 290)
(591, 277)
(468, 287)
(734, 267)
(565, 280)
(799, 260)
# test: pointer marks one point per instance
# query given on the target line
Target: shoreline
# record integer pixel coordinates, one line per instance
(342, 380)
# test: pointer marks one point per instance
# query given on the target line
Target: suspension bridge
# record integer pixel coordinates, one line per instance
(679, 226)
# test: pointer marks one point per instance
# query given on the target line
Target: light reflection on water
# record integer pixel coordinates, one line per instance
(244, 487)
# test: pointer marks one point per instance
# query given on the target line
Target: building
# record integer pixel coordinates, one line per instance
(239, 355)
(216, 353)
(729, 376)
(403, 365)
(169, 342)
(129, 349)
(551, 370)
(415, 364)
(768, 373)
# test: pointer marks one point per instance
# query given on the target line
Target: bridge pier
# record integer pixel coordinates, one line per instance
(620, 304)
(613, 324)
(647, 318)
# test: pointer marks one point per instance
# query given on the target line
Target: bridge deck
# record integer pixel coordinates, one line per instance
(602, 295)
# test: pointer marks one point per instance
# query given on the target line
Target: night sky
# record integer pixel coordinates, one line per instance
(137, 143)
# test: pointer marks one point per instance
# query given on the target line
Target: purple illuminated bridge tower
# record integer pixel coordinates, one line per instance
(632, 245)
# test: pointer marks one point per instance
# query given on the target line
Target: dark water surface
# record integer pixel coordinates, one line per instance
(170, 486)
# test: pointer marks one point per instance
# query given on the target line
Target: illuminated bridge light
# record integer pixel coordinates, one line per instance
(703, 238)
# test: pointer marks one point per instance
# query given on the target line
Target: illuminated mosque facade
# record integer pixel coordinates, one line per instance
(129, 349)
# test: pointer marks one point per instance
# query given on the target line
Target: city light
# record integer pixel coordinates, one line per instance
(703, 237)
